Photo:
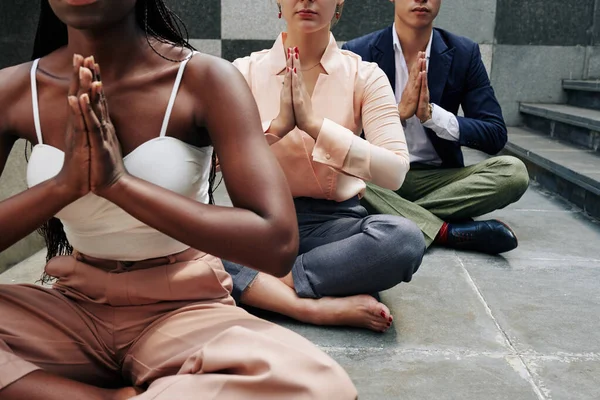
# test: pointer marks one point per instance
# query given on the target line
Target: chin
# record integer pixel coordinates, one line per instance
(85, 22)
(310, 26)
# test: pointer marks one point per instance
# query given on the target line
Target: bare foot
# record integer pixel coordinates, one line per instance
(361, 311)
(125, 393)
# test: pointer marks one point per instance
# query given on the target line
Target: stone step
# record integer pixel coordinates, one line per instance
(571, 171)
(576, 125)
(583, 93)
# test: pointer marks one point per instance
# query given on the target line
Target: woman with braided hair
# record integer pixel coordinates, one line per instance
(140, 305)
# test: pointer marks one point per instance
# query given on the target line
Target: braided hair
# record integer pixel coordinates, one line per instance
(159, 23)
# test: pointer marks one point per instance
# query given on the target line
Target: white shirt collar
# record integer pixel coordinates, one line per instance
(398, 46)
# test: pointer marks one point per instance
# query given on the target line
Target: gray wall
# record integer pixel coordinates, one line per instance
(528, 46)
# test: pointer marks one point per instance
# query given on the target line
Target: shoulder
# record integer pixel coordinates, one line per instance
(15, 86)
(362, 43)
(206, 72)
(463, 46)
(253, 59)
(364, 72)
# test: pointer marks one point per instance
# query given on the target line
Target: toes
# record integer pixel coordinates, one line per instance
(383, 312)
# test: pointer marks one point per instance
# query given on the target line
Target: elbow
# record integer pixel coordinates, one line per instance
(282, 251)
(396, 179)
(498, 145)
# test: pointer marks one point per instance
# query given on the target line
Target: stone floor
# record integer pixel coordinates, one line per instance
(525, 325)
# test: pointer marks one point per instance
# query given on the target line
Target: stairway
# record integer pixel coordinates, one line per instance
(560, 144)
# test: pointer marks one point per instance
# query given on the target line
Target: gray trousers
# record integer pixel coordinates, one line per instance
(344, 251)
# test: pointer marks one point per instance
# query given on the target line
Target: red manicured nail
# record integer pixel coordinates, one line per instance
(383, 314)
(297, 56)
(295, 70)
(390, 319)
(296, 50)
(389, 324)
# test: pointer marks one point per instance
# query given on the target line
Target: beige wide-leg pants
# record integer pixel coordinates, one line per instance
(168, 326)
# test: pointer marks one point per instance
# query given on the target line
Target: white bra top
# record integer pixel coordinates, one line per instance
(96, 227)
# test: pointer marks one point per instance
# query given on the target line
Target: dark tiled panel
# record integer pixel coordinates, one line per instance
(544, 22)
(18, 22)
(596, 26)
(201, 17)
(362, 17)
(14, 52)
(233, 49)
(18, 19)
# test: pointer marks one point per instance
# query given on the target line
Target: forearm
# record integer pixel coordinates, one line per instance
(262, 242)
(23, 213)
(488, 135)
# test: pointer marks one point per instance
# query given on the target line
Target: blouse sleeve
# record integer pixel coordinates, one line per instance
(382, 157)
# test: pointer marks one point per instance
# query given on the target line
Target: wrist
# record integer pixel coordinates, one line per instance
(61, 190)
(112, 191)
(314, 127)
(429, 113)
(274, 128)
(404, 115)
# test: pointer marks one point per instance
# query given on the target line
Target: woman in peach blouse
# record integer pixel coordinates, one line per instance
(315, 100)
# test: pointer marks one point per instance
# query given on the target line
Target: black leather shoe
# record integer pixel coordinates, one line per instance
(491, 237)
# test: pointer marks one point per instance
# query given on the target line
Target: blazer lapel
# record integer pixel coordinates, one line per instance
(439, 66)
(382, 52)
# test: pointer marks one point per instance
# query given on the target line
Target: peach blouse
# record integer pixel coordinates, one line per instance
(351, 96)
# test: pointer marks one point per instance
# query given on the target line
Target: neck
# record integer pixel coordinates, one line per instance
(116, 49)
(312, 46)
(413, 40)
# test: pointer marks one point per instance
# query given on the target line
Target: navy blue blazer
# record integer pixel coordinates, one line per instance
(456, 77)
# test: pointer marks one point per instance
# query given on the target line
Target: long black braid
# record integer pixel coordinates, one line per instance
(159, 23)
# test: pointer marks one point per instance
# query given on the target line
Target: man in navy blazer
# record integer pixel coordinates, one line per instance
(433, 73)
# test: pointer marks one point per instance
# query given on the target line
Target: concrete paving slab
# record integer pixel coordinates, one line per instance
(539, 201)
(550, 236)
(439, 309)
(384, 375)
(27, 271)
(567, 378)
(544, 307)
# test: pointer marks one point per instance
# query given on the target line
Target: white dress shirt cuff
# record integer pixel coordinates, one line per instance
(443, 123)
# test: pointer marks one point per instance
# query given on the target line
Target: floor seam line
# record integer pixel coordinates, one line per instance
(488, 310)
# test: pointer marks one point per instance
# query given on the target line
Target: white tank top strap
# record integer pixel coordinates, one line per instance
(34, 100)
(165, 124)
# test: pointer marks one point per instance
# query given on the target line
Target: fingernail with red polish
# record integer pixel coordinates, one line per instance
(296, 50)
(295, 70)
(297, 56)
(390, 319)
(383, 314)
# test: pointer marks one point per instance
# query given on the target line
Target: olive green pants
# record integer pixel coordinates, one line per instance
(431, 195)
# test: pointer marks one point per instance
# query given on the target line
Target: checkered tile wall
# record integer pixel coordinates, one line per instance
(227, 28)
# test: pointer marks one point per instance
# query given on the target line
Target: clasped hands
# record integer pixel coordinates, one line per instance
(295, 104)
(415, 98)
(93, 159)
